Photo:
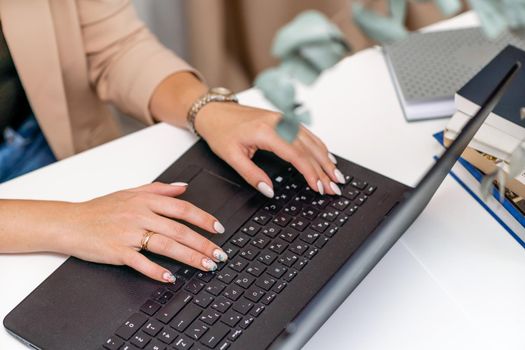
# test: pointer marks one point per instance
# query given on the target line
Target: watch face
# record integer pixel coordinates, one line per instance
(221, 91)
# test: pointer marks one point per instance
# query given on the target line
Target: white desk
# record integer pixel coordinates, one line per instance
(456, 280)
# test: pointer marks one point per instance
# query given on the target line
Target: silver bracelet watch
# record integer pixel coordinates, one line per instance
(216, 94)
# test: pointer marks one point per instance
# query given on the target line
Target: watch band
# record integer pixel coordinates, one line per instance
(213, 95)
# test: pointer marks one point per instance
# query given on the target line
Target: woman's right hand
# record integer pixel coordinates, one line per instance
(110, 230)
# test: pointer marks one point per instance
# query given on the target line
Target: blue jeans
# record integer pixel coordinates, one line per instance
(23, 150)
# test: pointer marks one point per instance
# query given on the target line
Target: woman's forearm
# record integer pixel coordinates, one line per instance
(31, 226)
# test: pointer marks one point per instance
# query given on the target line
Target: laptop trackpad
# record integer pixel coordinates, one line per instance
(210, 192)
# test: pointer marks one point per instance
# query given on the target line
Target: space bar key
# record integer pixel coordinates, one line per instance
(173, 307)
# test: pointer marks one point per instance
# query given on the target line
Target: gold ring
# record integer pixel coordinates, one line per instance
(145, 240)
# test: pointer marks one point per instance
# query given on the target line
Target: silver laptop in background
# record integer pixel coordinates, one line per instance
(428, 68)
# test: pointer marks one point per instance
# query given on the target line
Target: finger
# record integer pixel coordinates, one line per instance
(250, 172)
(172, 190)
(324, 182)
(268, 140)
(187, 237)
(170, 248)
(139, 262)
(183, 210)
(322, 156)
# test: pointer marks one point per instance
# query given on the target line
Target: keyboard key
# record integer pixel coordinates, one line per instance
(272, 208)
(321, 242)
(231, 318)
(320, 203)
(238, 264)
(249, 252)
(230, 250)
(243, 306)
(167, 335)
(131, 326)
(173, 307)
(203, 299)
(157, 293)
(167, 295)
(351, 210)
(290, 275)
(289, 235)
(268, 298)
(288, 258)
(282, 220)
(341, 203)
(311, 253)
(154, 344)
(267, 257)
(206, 276)
(174, 287)
(233, 292)
(251, 229)
(234, 334)
(256, 269)
(309, 236)
(150, 307)
(350, 193)
(261, 218)
(292, 209)
(332, 230)
(276, 270)
(257, 310)
(300, 263)
(245, 280)
(246, 322)
(299, 224)
(227, 275)
(359, 184)
(221, 304)
(341, 220)
(113, 343)
(187, 272)
(278, 246)
(361, 199)
(209, 316)
(140, 339)
(152, 327)
(194, 286)
(185, 317)
(271, 230)
(370, 190)
(320, 225)
(260, 241)
(309, 213)
(254, 294)
(240, 239)
(224, 345)
(330, 214)
(266, 282)
(215, 287)
(197, 330)
(298, 247)
(182, 343)
(215, 335)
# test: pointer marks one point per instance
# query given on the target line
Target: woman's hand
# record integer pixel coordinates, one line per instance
(110, 230)
(235, 132)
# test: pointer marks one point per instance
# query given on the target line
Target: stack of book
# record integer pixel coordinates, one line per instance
(501, 134)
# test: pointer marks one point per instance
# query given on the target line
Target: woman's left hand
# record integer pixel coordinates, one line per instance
(235, 132)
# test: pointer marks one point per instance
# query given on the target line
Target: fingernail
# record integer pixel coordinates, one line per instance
(320, 187)
(168, 277)
(265, 189)
(217, 226)
(220, 255)
(180, 184)
(335, 188)
(332, 158)
(208, 264)
(339, 175)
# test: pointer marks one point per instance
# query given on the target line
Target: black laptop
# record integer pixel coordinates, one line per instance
(284, 253)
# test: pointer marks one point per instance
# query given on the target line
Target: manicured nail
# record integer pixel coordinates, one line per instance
(335, 188)
(339, 175)
(180, 184)
(209, 264)
(220, 255)
(168, 277)
(320, 187)
(217, 226)
(265, 189)
(332, 158)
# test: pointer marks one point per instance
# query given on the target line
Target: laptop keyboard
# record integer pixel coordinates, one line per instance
(211, 310)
